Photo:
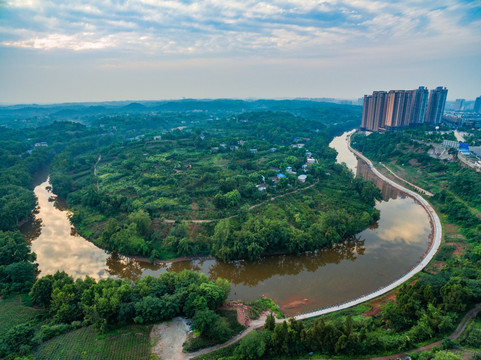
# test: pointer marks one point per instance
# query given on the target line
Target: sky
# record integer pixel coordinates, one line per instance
(55, 51)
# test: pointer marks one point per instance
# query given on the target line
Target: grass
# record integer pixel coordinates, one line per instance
(13, 313)
(355, 312)
(263, 304)
(130, 342)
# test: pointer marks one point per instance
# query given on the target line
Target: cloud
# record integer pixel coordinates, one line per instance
(319, 41)
(222, 26)
(84, 41)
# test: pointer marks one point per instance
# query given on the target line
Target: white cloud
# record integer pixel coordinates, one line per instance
(233, 28)
(85, 41)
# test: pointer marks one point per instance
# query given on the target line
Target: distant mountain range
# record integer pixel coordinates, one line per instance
(28, 115)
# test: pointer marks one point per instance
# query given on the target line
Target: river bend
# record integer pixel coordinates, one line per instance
(376, 258)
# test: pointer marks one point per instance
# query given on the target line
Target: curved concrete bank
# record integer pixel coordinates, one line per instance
(434, 246)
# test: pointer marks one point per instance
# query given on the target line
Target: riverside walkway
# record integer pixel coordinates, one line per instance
(433, 248)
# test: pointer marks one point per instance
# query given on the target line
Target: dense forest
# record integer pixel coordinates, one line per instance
(427, 308)
(130, 190)
(226, 187)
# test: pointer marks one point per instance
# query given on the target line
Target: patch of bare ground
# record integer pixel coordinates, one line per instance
(435, 266)
(379, 302)
(413, 162)
(451, 233)
(167, 339)
(242, 311)
(458, 251)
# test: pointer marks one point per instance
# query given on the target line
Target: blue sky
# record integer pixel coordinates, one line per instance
(95, 50)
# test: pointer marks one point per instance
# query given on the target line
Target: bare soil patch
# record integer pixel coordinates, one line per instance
(435, 267)
(377, 304)
(242, 312)
(458, 251)
(168, 339)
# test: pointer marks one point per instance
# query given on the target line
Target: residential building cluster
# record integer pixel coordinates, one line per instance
(390, 110)
(477, 105)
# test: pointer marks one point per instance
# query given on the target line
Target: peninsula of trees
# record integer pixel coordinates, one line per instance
(231, 188)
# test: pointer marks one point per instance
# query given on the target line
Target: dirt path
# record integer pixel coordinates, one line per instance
(171, 221)
(168, 338)
(253, 324)
(454, 336)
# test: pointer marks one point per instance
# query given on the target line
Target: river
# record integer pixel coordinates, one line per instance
(298, 283)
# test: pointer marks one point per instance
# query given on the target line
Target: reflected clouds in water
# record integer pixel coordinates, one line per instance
(57, 249)
(300, 283)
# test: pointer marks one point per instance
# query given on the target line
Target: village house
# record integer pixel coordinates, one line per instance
(261, 187)
(302, 178)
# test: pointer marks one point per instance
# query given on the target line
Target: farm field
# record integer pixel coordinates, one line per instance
(13, 313)
(130, 342)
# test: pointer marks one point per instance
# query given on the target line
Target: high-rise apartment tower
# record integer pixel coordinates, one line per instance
(394, 109)
(437, 100)
(477, 105)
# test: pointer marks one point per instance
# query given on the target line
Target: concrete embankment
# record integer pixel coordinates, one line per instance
(430, 252)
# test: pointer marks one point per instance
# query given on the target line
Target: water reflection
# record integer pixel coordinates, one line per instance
(388, 192)
(57, 246)
(251, 273)
(299, 283)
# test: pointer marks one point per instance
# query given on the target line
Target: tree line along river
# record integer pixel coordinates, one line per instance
(298, 283)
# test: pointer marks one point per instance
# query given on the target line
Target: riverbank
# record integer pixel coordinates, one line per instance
(312, 280)
(428, 256)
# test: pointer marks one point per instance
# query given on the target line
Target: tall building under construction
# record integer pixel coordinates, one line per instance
(401, 108)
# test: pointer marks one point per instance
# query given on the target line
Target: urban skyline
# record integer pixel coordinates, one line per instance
(389, 110)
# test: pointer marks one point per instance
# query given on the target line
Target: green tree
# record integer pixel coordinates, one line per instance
(142, 221)
(270, 322)
(446, 355)
(204, 319)
(252, 346)
(280, 338)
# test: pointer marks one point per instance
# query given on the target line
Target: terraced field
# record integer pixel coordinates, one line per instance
(13, 313)
(130, 342)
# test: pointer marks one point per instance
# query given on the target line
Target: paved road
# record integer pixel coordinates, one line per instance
(437, 236)
(437, 230)
(418, 189)
(256, 324)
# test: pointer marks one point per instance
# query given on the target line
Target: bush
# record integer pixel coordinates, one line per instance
(18, 339)
(253, 346)
(49, 331)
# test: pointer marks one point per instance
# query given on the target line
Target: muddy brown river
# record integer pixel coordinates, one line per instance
(298, 283)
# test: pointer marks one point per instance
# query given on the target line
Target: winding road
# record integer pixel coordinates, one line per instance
(434, 246)
(437, 236)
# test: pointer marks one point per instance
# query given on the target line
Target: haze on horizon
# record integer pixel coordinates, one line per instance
(62, 51)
